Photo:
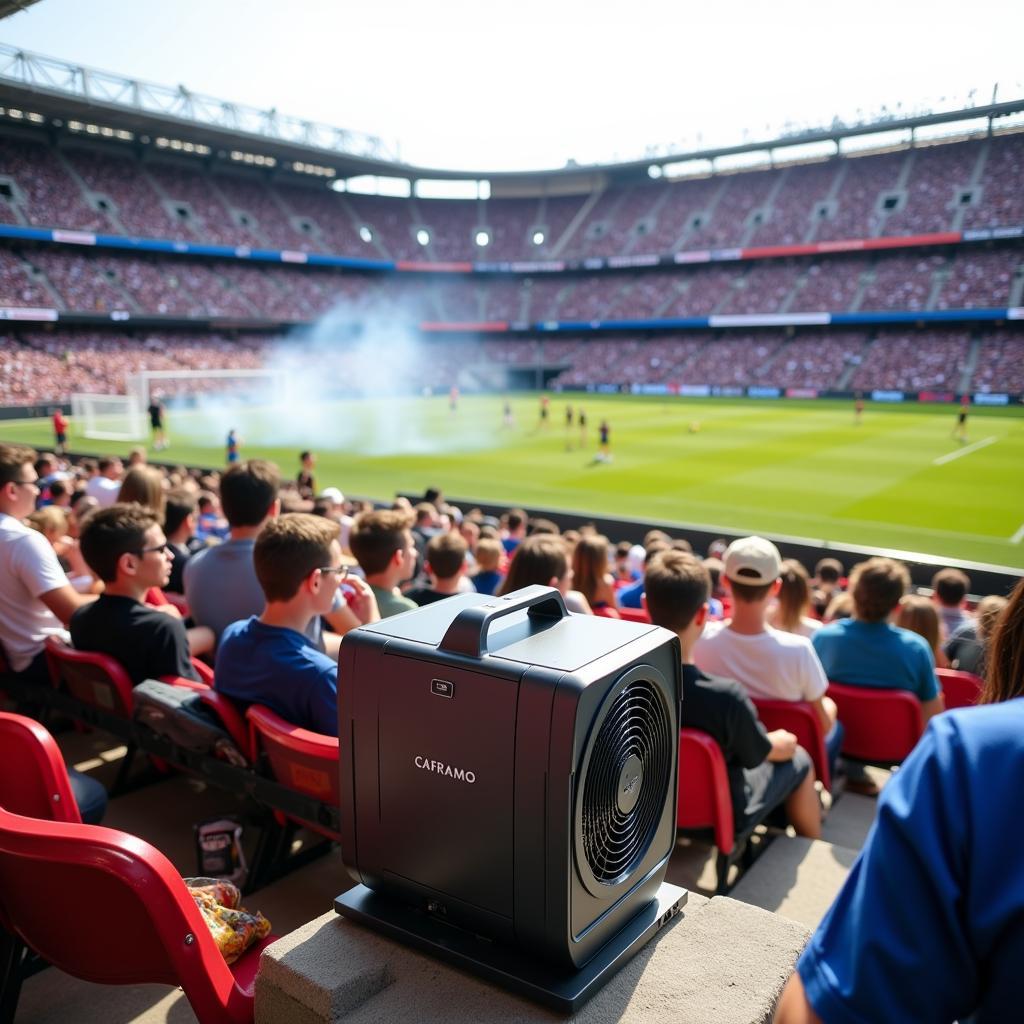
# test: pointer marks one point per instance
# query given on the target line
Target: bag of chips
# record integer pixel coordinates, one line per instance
(233, 928)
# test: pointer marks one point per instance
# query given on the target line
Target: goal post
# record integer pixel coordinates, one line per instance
(172, 385)
(108, 417)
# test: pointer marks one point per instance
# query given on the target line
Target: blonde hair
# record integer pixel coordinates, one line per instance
(144, 485)
(488, 554)
(51, 520)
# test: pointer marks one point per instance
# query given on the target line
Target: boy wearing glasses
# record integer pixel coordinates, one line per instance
(268, 659)
(126, 548)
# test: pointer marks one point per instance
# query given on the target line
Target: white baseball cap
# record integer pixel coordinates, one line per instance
(752, 560)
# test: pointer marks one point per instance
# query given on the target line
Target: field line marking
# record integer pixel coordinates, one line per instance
(950, 456)
(1018, 536)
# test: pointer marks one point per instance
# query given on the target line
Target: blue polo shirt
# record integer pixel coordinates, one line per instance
(281, 669)
(929, 925)
(877, 654)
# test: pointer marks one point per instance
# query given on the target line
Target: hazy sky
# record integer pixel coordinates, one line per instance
(479, 85)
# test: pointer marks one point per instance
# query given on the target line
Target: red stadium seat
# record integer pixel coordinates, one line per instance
(882, 725)
(33, 778)
(607, 612)
(109, 908)
(801, 719)
(634, 615)
(302, 760)
(95, 679)
(704, 800)
(224, 710)
(959, 689)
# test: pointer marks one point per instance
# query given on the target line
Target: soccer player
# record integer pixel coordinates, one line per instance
(960, 430)
(232, 445)
(305, 481)
(156, 422)
(581, 422)
(545, 402)
(60, 432)
(507, 419)
(604, 455)
(858, 410)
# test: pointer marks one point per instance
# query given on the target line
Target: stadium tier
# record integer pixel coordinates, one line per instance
(923, 190)
(48, 366)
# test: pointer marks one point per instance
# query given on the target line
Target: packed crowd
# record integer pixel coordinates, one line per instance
(926, 189)
(48, 366)
(92, 283)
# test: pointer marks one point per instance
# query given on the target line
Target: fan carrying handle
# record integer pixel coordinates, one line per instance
(468, 633)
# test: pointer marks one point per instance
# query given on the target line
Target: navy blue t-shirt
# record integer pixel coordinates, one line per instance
(929, 925)
(281, 669)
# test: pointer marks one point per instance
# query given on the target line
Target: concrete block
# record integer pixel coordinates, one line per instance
(797, 878)
(720, 962)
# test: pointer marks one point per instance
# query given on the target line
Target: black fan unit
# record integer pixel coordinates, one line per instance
(509, 771)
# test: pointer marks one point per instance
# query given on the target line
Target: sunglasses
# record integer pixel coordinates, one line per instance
(156, 547)
(341, 571)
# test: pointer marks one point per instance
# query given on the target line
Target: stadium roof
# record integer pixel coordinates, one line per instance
(49, 90)
(9, 7)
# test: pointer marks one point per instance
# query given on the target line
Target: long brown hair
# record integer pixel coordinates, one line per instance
(920, 616)
(1004, 677)
(794, 595)
(538, 559)
(590, 565)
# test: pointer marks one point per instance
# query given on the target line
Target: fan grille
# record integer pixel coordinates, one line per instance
(627, 781)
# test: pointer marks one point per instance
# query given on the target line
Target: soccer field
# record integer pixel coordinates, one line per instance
(898, 480)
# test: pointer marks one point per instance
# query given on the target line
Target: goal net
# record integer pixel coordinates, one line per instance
(250, 385)
(108, 417)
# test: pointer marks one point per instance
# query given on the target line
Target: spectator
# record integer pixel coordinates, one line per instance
(768, 662)
(445, 565)
(950, 587)
(489, 554)
(967, 647)
(220, 582)
(632, 596)
(794, 601)
(716, 602)
(514, 529)
(766, 770)
(867, 650)
(180, 518)
(36, 599)
(126, 548)
(1004, 678)
(591, 574)
(305, 481)
(828, 574)
(383, 546)
(106, 485)
(929, 925)
(269, 659)
(144, 485)
(840, 607)
(624, 571)
(542, 559)
(920, 616)
(211, 524)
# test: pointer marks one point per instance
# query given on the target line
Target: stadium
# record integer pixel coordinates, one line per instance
(816, 337)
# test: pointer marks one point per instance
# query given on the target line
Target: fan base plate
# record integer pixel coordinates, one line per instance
(510, 968)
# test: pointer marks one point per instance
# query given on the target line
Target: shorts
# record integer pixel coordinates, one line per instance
(62, 438)
(768, 785)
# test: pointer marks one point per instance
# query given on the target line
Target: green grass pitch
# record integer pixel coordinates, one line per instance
(898, 480)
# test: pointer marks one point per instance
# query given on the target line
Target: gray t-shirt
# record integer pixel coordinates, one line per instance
(221, 587)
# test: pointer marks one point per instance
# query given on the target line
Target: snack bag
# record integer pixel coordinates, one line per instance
(233, 928)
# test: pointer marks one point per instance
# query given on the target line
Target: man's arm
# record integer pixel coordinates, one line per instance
(793, 1006)
(65, 601)
(933, 707)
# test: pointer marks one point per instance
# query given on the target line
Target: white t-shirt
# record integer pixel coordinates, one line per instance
(772, 664)
(103, 489)
(28, 568)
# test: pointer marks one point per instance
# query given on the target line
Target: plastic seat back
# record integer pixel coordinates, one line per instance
(882, 725)
(299, 759)
(959, 689)
(801, 719)
(704, 800)
(109, 908)
(33, 779)
(635, 615)
(90, 677)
